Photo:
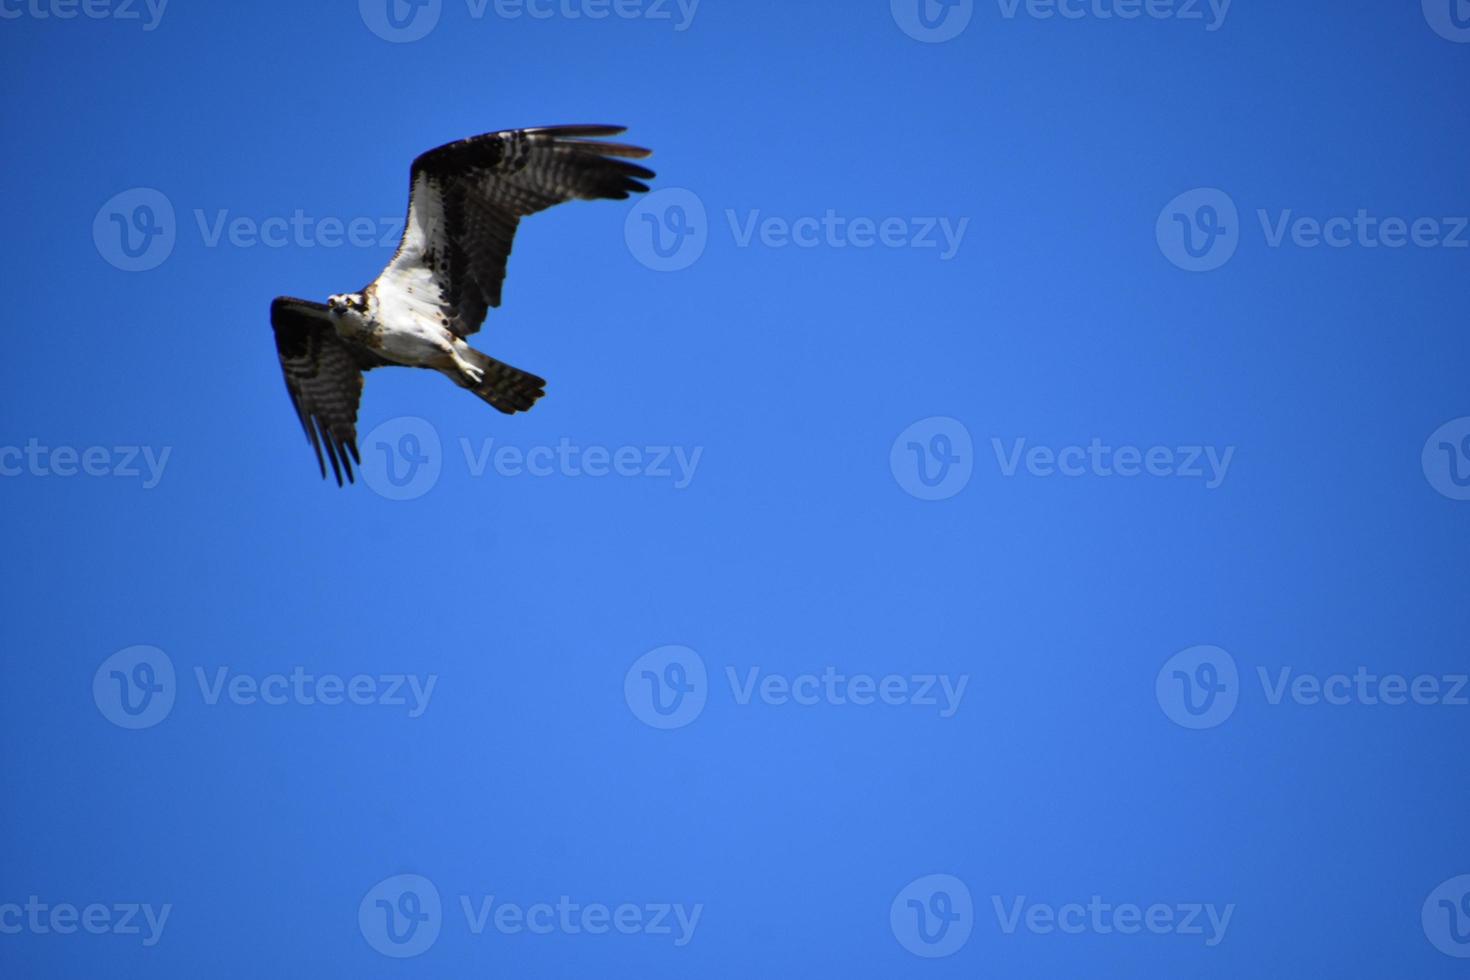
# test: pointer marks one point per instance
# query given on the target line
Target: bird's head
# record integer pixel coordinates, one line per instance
(340, 303)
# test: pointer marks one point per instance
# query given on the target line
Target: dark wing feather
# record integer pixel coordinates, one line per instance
(467, 199)
(324, 377)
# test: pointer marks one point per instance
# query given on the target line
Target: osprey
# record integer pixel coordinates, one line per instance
(465, 201)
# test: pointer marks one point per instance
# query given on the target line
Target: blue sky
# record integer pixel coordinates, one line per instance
(999, 509)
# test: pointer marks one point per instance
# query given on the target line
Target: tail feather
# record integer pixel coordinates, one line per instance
(505, 388)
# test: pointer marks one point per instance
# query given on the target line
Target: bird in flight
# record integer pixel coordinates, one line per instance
(465, 201)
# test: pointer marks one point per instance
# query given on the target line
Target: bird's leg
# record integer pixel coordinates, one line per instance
(472, 374)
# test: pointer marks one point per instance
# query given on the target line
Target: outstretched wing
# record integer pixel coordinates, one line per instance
(467, 198)
(324, 376)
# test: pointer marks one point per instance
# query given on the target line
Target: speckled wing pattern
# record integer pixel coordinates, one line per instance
(468, 197)
(324, 377)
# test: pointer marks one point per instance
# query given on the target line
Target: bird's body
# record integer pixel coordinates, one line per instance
(465, 203)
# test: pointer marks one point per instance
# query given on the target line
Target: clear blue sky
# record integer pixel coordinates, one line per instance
(864, 594)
